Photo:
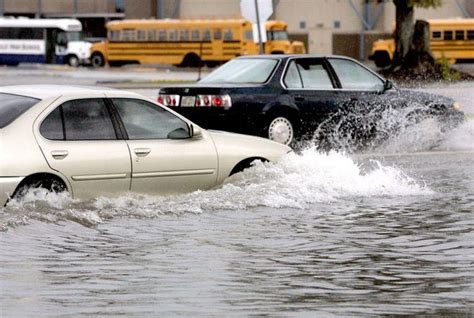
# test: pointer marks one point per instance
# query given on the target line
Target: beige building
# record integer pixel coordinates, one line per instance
(326, 26)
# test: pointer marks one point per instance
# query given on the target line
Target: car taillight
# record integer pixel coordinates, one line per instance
(213, 100)
(168, 100)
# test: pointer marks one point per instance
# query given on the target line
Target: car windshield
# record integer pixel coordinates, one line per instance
(12, 106)
(255, 70)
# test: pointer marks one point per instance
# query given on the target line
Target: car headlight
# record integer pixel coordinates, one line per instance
(457, 106)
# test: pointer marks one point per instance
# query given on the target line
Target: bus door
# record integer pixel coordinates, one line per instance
(50, 57)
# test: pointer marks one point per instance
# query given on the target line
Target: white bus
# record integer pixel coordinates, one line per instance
(55, 41)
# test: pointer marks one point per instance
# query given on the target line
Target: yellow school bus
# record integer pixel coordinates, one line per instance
(186, 42)
(450, 38)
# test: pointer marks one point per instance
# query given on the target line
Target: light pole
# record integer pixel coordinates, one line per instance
(260, 44)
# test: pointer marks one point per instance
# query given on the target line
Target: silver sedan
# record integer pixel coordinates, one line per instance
(95, 141)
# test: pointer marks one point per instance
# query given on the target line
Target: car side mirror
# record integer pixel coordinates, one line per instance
(195, 131)
(387, 85)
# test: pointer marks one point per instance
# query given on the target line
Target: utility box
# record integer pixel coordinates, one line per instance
(320, 41)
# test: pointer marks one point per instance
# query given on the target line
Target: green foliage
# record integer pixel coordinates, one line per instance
(425, 3)
(447, 72)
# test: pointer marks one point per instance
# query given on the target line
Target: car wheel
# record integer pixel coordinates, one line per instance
(97, 60)
(281, 130)
(73, 61)
(50, 184)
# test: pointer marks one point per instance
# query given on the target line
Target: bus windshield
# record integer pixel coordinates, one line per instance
(277, 35)
(255, 70)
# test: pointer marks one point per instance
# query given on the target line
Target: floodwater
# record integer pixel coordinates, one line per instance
(386, 232)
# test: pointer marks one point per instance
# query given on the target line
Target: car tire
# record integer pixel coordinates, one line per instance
(73, 61)
(281, 129)
(97, 60)
(53, 185)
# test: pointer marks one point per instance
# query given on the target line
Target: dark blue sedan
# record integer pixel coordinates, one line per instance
(289, 97)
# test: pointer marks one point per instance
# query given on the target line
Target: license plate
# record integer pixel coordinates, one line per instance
(188, 101)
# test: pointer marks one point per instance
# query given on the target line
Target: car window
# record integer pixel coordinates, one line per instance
(354, 76)
(292, 77)
(12, 106)
(87, 119)
(243, 71)
(145, 120)
(313, 74)
(52, 126)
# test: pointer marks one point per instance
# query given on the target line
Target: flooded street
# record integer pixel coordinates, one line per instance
(331, 234)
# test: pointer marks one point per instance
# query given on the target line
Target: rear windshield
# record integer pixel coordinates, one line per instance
(12, 106)
(243, 71)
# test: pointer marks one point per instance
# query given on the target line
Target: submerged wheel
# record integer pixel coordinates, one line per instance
(73, 61)
(53, 185)
(281, 130)
(97, 60)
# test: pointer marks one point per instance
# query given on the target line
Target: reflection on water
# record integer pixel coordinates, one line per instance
(315, 234)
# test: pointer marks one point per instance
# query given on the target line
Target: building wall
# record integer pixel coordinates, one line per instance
(140, 9)
(59, 6)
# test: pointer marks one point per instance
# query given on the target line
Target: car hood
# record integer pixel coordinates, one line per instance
(424, 98)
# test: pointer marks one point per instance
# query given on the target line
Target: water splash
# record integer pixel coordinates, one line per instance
(297, 181)
(384, 128)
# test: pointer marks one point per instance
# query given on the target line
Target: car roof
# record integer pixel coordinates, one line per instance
(285, 56)
(47, 91)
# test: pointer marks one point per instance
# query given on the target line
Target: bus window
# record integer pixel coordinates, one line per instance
(114, 35)
(151, 35)
(249, 35)
(128, 35)
(448, 35)
(277, 35)
(436, 35)
(162, 35)
(470, 34)
(184, 35)
(459, 35)
(61, 39)
(206, 35)
(141, 35)
(172, 35)
(195, 35)
(217, 34)
(228, 36)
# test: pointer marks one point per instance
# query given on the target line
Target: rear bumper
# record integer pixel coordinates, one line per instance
(7, 187)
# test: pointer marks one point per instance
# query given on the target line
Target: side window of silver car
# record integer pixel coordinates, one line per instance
(144, 120)
(82, 119)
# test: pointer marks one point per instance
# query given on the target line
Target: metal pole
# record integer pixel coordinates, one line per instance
(40, 5)
(260, 44)
(2, 8)
(160, 4)
(75, 7)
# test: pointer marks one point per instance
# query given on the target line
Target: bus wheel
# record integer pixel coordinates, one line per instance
(73, 61)
(381, 59)
(191, 60)
(97, 60)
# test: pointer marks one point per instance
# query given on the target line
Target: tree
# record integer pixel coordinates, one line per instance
(411, 50)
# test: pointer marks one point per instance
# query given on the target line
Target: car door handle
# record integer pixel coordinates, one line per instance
(299, 98)
(59, 154)
(142, 152)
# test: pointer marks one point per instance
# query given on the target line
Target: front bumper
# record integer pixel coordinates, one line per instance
(7, 187)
